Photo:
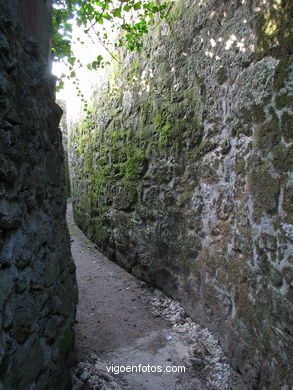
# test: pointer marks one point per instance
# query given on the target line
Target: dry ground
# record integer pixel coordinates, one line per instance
(123, 321)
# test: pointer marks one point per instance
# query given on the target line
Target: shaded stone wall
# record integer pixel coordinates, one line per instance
(185, 178)
(64, 130)
(37, 281)
(34, 17)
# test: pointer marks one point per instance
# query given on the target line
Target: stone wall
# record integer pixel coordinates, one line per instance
(37, 281)
(64, 130)
(185, 178)
(35, 18)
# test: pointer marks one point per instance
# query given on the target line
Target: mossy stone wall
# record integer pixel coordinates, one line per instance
(185, 178)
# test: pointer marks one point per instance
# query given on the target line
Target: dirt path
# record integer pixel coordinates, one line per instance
(122, 321)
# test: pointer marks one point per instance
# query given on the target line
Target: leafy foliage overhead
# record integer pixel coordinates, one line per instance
(129, 18)
(132, 17)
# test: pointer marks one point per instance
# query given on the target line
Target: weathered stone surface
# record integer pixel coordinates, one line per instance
(64, 130)
(185, 178)
(37, 281)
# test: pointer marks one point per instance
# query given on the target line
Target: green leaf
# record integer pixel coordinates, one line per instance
(137, 5)
(117, 12)
(71, 60)
(127, 8)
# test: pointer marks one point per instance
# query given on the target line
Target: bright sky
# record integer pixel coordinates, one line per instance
(86, 53)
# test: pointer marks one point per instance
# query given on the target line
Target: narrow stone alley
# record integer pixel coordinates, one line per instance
(176, 147)
(140, 326)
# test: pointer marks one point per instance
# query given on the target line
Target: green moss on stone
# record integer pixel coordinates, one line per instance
(240, 167)
(126, 195)
(132, 70)
(135, 164)
(282, 72)
(268, 133)
(185, 197)
(264, 190)
(100, 232)
(174, 11)
(284, 100)
(283, 158)
(286, 126)
(201, 149)
(274, 28)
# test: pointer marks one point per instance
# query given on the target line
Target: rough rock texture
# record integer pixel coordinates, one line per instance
(37, 283)
(185, 178)
(64, 130)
